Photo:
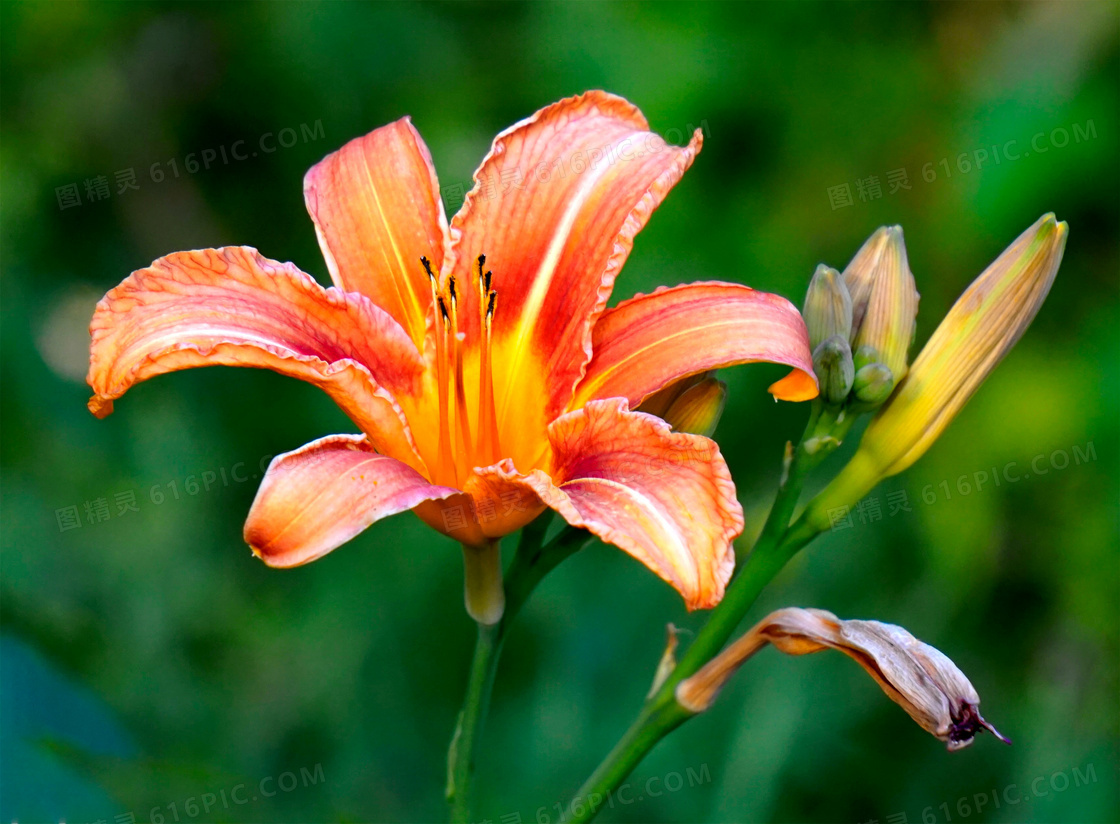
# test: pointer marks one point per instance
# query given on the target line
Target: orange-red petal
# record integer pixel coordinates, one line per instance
(376, 207)
(233, 307)
(555, 208)
(323, 494)
(665, 498)
(649, 341)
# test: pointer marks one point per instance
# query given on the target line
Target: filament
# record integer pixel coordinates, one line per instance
(457, 455)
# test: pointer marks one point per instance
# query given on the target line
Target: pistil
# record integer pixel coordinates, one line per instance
(464, 451)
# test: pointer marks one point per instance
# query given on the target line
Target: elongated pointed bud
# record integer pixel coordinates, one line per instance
(693, 405)
(699, 408)
(980, 329)
(884, 300)
(916, 676)
(873, 383)
(828, 307)
(832, 361)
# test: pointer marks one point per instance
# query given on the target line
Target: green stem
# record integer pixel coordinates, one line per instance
(777, 544)
(461, 755)
(532, 561)
(656, 720)
(661, 714)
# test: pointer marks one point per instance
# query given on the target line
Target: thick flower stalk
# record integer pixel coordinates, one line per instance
(478, 358)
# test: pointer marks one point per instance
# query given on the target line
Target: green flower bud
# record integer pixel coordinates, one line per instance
(884, 299)
(828, 306)
(865, 355)
(873, 383)
(832, 361)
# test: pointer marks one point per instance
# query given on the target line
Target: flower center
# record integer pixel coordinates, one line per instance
(459, 452)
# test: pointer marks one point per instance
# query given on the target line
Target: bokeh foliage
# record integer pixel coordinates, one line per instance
(148, 659)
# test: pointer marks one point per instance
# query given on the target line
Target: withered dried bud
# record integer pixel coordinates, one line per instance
(917, 677)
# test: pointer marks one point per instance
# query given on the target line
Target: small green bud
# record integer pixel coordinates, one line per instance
(832, 361)
(873, 383)
(828, 306)
(864, 355)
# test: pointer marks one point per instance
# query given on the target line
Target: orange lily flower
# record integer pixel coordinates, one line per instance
(480, 361)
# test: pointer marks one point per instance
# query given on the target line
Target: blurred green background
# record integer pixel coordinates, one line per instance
(149, 659)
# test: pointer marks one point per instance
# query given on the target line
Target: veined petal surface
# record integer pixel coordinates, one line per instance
(323, 494)
(376, 207)
(665, 498)
(233, 307)
(649, 341)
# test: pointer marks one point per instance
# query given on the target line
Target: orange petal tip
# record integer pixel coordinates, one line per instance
(100, 407)
(796, 386)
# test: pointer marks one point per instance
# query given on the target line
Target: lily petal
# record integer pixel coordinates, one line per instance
(649, 341)
(665, 498)
(376, 207)
(323, 494)
(233, 307)
(555, 208)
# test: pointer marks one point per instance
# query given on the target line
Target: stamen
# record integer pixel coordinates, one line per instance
(445, 462)
(465, 441)
(487, 421)
(459, 454)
